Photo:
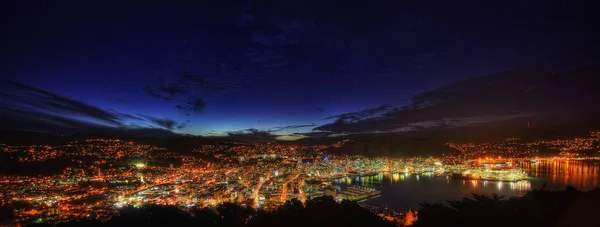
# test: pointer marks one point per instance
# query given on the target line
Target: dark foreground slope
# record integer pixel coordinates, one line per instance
(537, 208)
(318, 212)
(545, 208)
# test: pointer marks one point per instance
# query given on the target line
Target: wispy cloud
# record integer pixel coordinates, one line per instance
(279, 133)
(360, 115)
(252, 134)
(31, 107)
(312, 134)
(42, 100)
(499, 97)
(166, 123)
(290, 127)
(195, 104)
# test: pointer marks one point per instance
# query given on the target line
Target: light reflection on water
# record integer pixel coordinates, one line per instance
(403, 191)
(579, 174)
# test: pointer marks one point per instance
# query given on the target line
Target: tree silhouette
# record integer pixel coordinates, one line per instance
(322, 211)
(235, 215)
(570, 207)
(6, 215)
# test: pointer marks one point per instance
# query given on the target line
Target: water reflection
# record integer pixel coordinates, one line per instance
(519, 187)
(403, 190)
(580, 174)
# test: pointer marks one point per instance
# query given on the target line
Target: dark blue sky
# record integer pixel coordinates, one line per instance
(281, 67)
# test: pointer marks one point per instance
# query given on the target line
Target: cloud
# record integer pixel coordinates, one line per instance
(27, 119)
(313, 134)
(275, 133)
(251, 134)
(166, 123)
(289, 127)
(27, 107)
(129, 116)
(304, 44)
(195, 104)
(165, 91)
(22, 119)
(290, 137)
(498, 97)
(342, 49)
(39, 99)
(360, 115)
(186, 89)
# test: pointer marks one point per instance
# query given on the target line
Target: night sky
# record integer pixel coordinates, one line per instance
(280, 69)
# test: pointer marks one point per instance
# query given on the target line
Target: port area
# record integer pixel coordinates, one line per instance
(359, 193)
(344, 188)
(491, 174)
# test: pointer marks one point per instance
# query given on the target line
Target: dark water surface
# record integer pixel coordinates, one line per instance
(403, 191)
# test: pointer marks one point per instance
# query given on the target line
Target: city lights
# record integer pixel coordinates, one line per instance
(106, 175)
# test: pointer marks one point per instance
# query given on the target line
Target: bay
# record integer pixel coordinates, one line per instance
(404, 191)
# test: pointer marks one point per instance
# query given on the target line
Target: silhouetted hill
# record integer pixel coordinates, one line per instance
(430, 142)
(322, 211)
(176, 143)
(536, 208)
(14, 137)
